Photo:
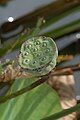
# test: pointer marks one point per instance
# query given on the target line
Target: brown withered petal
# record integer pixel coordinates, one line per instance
(65, 86)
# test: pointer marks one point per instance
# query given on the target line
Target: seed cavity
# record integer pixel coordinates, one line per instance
(27, 60)
(29, 46)
(26, 53)
(37, 43)
(35, 49)
(44, 44)
(47, 50)
(43, 59)
(34, 62)
(39, 55)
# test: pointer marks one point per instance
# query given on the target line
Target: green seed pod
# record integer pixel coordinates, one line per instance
(38, 55)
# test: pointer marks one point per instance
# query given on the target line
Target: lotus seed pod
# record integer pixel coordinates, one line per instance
(38, 55)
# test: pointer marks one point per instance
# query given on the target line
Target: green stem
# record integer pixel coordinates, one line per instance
(24, 90)
(61, 16)
(7, 48)
(63, 113)
(64, 29)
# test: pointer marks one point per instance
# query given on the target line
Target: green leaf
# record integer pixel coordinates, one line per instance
(34, 105)
(63, 113)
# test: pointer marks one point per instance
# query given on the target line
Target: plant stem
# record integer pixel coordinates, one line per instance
(67, 71)
(15, 43)
(73, 67)
(24, 90)
(63, 113)
(65, 29)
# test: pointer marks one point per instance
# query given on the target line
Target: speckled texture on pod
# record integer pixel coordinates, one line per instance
(38, 55)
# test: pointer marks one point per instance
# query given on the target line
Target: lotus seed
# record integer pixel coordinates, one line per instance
(44, 44)
(37, 43)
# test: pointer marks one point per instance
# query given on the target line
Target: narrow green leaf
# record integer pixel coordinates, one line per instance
(40, 102)
(61, 16)
(63, 113)
(64, 29)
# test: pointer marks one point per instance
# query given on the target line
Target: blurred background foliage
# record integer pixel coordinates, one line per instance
(58, 22)
(59, 19)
